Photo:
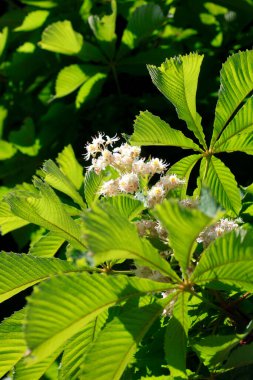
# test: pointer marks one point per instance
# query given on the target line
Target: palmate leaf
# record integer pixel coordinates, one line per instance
(219, 179)
(151, 130)
(228, 260)
(114, 347)
(13, 345)
(20, 271)
(181, 221)
(111, 236)
(60, 37)
(70, 167)
(242, 123)
(45, 210)
(32, 21)
(54, 317)
(24, 371)
(55, 178)
(177, 79)
(47, 245)
(176, 337)
(182, 169)
(78, 346)
(236, 85)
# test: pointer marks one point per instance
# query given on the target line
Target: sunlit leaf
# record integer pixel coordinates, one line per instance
(60, 37)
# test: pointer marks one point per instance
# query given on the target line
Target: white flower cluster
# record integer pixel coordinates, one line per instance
(145, 272)
(152, 228)
(131, 168)
(220, 228)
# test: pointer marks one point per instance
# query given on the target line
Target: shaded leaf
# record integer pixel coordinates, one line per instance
(54, 317)
(114, 347)
(78, 346)
(176, 337)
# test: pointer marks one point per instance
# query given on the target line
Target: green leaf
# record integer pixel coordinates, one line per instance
(78, 346)
(92, 183)
(72, 77)
(222, 184)
(242, 123)
(24, 139)
(241, 142)
(90, 89)
(227, 261)
(104, 30)
(125, 205)
(182, 169)
(24, 371)
(32, 21)
(3, 114)
(13, 345)
(47, 245)
(177, 79)
(60, 37)
(7, 150)
(113, 350)
(46, 210)
(236, 85)
(242, 356)
(176, 337)
(41, 3)
(55, 178)
(8, 221)
(54, 317)
(20, 271)
(142, 22)
(111, 236)
(3, 39)
(213, 350)
(181, 221)
(151, 130)
(70, 167)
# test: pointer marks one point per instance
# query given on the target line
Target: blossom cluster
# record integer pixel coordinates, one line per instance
(212, 232)
(131, 168)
